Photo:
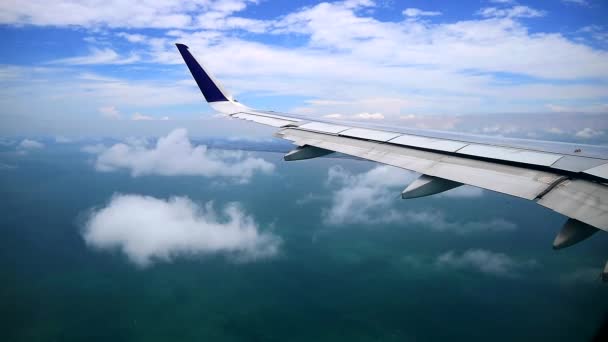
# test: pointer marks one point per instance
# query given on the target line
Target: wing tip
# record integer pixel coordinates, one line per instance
(210, 88)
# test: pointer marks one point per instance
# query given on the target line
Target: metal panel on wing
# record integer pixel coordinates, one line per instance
(510, 154)
(429, 143)
(577, 163)
(370, 134)
(599, 171)
(580, 199)
(324, 127)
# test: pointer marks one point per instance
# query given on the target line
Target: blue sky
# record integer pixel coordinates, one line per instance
(357, 59)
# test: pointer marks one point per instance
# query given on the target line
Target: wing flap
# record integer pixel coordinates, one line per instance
(599, 171)
(580, 199)
(429, 143)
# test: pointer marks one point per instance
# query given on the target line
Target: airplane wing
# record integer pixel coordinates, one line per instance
(568, 182)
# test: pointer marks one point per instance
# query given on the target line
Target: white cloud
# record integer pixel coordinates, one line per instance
(358, 116)
(333, 116)
(484, 261)
(577, 2)
(555, 130)
(175, 155)
(139, 117)
(370, 197)
(99, 56)
(596, 32)
(416, 12)
(148, 230)
(588, 133)
(29, 144)
(366, 197)
(369, 116)
(109, 112)
(513, 12)
(133, 37)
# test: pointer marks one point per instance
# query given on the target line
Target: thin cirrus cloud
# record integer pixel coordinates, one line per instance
(175, 155)
(148, 230)
(416, 12)
(99, 56)
(370, 197)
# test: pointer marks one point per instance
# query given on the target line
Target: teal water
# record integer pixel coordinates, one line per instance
(345, 283)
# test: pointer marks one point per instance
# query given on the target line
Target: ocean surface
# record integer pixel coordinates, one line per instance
(375, 280)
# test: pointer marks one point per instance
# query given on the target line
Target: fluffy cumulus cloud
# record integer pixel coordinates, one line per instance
(484, 261)
(174, 155)
(365, 197)
(148, 230)
(371, 197)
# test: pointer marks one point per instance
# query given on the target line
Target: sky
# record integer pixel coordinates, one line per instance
(78, 67)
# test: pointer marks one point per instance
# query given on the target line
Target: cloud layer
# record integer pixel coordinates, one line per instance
(148, 229)
(175, 155)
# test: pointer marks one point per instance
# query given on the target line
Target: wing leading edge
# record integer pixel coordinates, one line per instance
(567, 183)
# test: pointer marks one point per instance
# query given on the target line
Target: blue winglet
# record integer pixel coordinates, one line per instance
(207, 86)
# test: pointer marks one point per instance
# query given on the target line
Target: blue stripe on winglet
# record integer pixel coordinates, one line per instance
(209, 89)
